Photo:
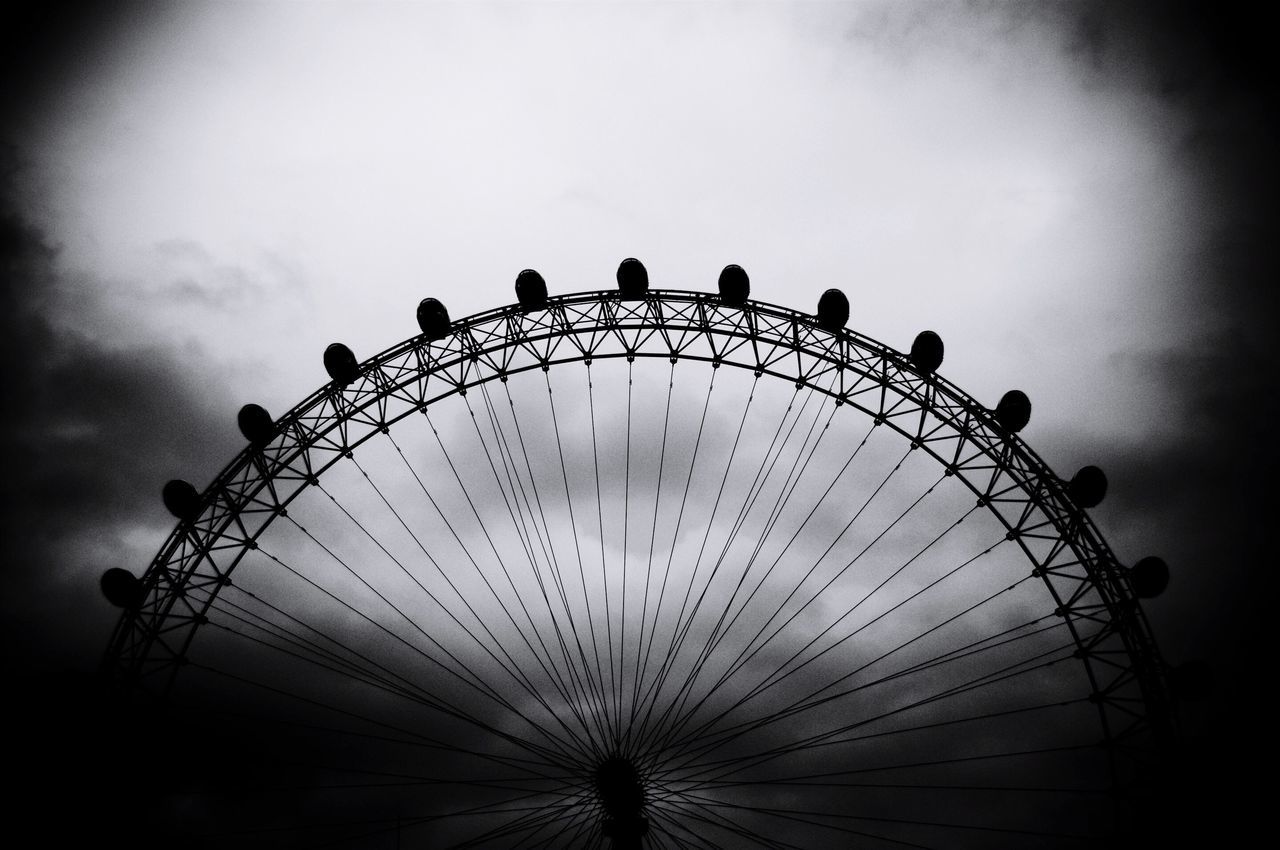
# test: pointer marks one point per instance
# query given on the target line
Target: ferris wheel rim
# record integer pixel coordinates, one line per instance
(651, 317)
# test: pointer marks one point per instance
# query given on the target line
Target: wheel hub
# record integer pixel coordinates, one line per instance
(621, 795)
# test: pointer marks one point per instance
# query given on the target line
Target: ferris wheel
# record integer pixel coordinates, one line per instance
(644, 568)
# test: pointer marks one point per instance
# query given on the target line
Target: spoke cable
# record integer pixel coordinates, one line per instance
(479, 685)
(763, 472)
(599, 703)
(516, 484)
(553, 561)
(513, 670)
(681, 632)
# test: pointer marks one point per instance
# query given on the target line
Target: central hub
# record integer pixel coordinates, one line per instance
(621, 796)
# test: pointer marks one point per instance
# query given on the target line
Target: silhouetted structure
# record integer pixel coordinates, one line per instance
(548, 688)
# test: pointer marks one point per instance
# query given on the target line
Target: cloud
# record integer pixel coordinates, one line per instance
(1201, 500)
(98, 423)
(1199, 495)
(43, 45)
(191, 279)
(196, 279)
(93, 430)
(1211, 62)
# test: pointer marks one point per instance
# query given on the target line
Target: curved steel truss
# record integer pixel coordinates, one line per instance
(1089, 588)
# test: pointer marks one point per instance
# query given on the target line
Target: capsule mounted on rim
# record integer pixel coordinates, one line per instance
(1150, 577)
(1088, 487)
(122, 588)
(181, 499)
(531, 290)
(433, 318)
(1014, 411)
(341, 364)
(926, 352)
(833, 310)
(735, 286)
(633, 278)
(256, 424)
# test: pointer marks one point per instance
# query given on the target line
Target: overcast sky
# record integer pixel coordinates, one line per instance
(201, 196)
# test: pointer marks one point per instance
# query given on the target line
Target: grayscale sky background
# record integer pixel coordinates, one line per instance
(201, 196)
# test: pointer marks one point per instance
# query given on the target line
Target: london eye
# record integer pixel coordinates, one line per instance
(641, 567)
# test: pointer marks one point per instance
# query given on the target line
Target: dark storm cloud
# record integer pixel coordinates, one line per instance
(76, 419)
(88, 417)
(93, 431)
(92, 427)
(1210, 61)
(1196, 480)
(1196, 487)
(1206, 485)
(44, 46)
(1206, 491)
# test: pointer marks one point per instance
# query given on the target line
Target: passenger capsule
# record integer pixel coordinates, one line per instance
(1014, 411)
(256, 424)
(341, 364)
(926, 352)
(181, 499)
(1088, 487)
(833, 310)
(122, 588)
(531, 290)
(433, 318)
(633, 278)
(1150, 577)
(735, 286)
